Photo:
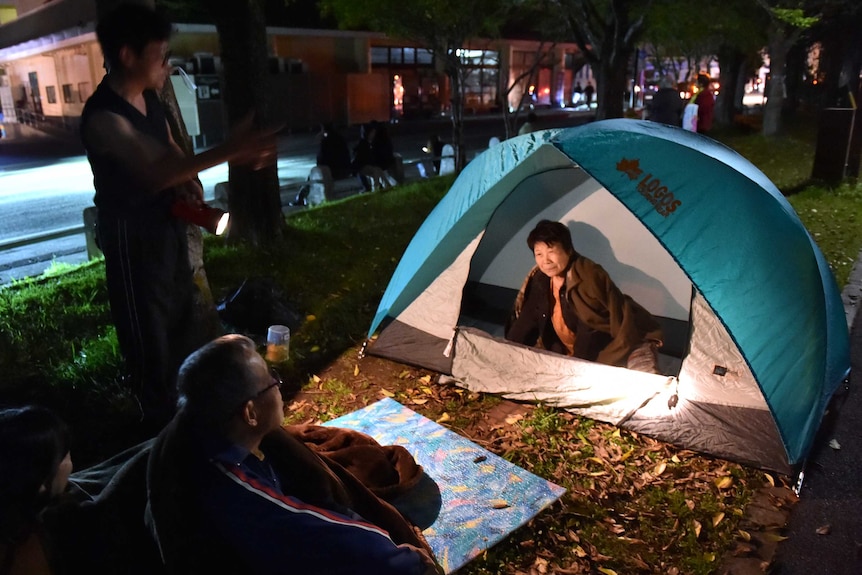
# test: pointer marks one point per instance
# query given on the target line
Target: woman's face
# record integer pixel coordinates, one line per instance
(61, 477)
(552, 259)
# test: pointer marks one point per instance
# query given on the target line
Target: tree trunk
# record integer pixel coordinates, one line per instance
(778, 48)
(731, 61)
(454, 71)
(795, 65)
(611, 80)
(253, 195)
(205, 312)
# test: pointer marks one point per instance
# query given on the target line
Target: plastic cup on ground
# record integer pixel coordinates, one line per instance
(277, 343)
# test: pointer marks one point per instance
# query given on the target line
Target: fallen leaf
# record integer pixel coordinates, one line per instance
(774, 537)
(579, 551)
(426, 379)
(315, 378)
(675, 458)
(420, 401)
(824, 529)
(746, 536)
(709, 557)
(833, 443)
(607, 571)
(404, 374)
(724, 482)
(770, 479)
(387, 393)
(697, 527)
(716, 519)
(355, 370)
(512, 419)
(443, 418)
(310, 317)
(659, 469)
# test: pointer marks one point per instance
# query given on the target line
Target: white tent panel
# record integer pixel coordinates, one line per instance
(713, 370)
(436, 309)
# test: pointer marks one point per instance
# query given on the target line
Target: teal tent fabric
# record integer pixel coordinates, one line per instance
(729, 228)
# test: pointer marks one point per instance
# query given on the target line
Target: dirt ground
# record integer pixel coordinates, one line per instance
(351, 383)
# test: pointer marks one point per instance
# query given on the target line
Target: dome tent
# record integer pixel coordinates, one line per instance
(756, 339)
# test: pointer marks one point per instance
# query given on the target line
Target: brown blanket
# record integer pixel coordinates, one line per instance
(387, 470)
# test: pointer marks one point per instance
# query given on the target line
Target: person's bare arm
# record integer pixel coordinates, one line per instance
(158, 167)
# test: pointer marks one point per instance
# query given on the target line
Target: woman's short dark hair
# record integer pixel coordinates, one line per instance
(33, 442)
(130, 25)
(215, 380)
(549, 232)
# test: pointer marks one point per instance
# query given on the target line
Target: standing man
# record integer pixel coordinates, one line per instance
(139, 172)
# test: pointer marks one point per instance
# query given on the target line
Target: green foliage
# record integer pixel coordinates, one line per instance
(795, 17)
(692, 29)
(786, 161)
(439, 24)
(42, 319)
(834, 219)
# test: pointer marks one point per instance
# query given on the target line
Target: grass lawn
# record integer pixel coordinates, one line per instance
(633, 505)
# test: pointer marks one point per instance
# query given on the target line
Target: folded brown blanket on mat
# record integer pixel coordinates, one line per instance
(386, 470)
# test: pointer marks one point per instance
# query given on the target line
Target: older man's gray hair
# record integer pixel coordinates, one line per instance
(215, 380)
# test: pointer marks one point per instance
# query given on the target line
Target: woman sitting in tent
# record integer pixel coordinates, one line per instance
(569, 304)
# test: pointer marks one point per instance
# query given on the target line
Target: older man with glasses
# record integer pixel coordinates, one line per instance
(230, 489)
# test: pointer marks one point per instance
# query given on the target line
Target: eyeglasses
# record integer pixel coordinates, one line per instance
(276, 382)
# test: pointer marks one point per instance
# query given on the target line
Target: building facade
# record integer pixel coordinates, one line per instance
(50, 62)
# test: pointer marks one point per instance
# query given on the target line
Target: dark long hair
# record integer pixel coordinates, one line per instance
(33, 442)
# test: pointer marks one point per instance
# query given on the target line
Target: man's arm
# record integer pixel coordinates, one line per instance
(158, 167)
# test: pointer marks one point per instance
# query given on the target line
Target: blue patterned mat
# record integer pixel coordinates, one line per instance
(470, 499)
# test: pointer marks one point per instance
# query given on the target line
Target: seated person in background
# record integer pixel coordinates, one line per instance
(54, 521)
(334, 152)
(569, 304)
(35, 464)
(529, 125)
(364, 160)
(231, 490)
(382, 148)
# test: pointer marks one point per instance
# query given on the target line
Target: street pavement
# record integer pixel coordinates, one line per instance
(824, 532)
(64, 185)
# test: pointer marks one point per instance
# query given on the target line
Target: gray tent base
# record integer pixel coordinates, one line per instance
(635, 401)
